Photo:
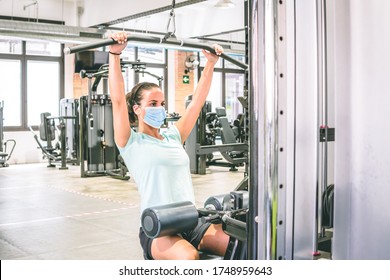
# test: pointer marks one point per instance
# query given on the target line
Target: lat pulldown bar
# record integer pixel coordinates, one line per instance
(165, 43)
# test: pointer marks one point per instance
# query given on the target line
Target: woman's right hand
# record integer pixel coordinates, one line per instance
(121, 39)
(213, 58)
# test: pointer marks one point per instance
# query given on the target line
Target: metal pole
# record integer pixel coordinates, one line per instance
(270, 129)
(264, 129)
(322, 120)
(255, 165)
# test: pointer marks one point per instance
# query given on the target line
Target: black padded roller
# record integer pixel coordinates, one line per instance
(169, 219)
(216, 202)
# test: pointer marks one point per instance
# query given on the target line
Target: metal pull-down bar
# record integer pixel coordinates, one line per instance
(164, 43)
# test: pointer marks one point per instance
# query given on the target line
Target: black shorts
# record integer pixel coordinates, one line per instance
(193, 236)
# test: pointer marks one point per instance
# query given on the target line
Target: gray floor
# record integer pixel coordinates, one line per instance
(52, 214)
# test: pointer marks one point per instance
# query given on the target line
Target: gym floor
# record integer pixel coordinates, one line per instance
(53, 214)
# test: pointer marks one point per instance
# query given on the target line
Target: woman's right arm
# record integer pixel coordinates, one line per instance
(117, 91)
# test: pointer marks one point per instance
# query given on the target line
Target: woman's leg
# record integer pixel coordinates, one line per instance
(214, 240)
(173, 248)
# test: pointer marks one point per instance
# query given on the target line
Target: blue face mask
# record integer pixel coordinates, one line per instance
(155, 116)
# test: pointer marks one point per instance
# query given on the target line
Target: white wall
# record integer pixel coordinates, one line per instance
(26, 149)
(47, 9)
(362, 155)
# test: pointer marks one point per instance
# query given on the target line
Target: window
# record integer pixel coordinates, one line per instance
(153, 70)
(227, 86)
(215, 95)
(43, 48)
(234, 85)
(43, 92)
(10, 46)
(11, 93)
(152, 55)
(32, 81)
(152, 75)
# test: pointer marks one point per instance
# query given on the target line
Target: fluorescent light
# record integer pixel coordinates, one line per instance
(225, 4)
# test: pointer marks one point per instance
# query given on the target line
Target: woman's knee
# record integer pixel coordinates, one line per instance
(215, 240)
(173, 248)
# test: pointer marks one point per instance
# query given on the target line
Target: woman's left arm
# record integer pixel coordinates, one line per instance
(191, 114)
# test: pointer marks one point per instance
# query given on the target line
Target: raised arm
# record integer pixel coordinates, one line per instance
(117, 91)
(188, 120)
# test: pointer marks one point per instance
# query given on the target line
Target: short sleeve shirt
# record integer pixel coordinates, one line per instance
(160, 168)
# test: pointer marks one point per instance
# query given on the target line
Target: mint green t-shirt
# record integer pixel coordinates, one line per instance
(160, 168)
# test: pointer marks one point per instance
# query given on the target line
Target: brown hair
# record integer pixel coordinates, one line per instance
(135, 96)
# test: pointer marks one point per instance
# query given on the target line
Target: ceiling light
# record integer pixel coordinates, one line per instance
(225, 4)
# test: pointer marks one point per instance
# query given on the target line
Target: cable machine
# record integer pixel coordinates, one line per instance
(168, 41)
(98, 153)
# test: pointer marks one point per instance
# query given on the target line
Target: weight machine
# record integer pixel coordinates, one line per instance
(200, 145)
(56, 152)
(4, 156)
(98, 152)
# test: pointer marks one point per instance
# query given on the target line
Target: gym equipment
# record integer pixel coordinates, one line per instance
(163, 220)
(200, 145)
(69, 110)
(56, 153)
(98, 153)
(228, 209)
(4, 156)
(235, 158)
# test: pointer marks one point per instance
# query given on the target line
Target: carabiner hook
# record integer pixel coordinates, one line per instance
(172, 21)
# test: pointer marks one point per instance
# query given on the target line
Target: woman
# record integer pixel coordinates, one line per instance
(157, 161)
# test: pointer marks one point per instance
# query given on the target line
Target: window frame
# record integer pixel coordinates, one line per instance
(24, 58)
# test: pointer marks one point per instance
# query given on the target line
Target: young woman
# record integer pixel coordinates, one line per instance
(158, 161)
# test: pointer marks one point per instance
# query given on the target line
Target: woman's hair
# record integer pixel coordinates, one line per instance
(135, 96)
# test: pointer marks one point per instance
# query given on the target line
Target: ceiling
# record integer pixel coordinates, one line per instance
(195, 19)
(201, 20)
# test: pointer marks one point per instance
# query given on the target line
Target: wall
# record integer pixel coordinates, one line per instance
(182, 90)
(47, 9)
(362, 157)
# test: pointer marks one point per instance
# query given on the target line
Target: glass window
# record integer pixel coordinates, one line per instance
(43, 48)
(234, 88)
(230, 65)
(128, 76)
(215, 95)
(152, 75)
(10, 73)
(43, 89)
(128, 54)
(152, 55)
(10, 46)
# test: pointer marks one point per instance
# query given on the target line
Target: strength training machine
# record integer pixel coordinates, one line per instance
(98, 153)
(4, 156)
(55, 152)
